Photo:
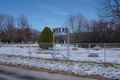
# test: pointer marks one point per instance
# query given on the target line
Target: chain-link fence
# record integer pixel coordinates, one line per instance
(96, 52)
(89, 52)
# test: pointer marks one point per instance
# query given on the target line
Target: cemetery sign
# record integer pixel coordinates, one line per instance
(60, 30)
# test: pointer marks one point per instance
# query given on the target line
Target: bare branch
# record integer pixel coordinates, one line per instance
(109, 9)
(117, 2)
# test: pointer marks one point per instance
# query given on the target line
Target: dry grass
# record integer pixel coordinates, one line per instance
(66, 61)
(55, 71)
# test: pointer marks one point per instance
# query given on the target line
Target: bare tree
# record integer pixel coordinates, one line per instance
(109, 9)
(100, 31)
(9, 32)
(24, 28)
(93, 33)
(2, 24)
(35, 35)
(81, 23)
(77, 24)
(117, 33)
(9, 27)
(71, 23)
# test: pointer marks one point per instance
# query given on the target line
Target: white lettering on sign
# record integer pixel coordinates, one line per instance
(60, 30)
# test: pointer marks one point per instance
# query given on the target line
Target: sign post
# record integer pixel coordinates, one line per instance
(61, 30)
(68, 43)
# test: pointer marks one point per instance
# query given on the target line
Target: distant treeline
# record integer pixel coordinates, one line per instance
(94, 31)
(104, 30)
(16, 29)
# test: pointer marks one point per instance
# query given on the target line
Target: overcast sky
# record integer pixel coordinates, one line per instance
(51, 13)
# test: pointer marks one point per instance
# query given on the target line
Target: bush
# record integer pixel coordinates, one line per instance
(45, 38)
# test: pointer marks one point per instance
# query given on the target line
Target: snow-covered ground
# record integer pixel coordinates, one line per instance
(112, 56)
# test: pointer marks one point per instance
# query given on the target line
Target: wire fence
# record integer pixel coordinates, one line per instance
(90, 52)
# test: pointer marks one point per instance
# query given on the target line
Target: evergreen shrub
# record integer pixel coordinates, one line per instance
(46, 38)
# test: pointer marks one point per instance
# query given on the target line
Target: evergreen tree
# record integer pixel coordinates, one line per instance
(46, 38)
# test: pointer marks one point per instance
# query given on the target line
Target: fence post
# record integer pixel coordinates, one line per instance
(104, 53)
(12, 48)
(53, 47)
(89, 46)
(29, 50)
(68, 45)
(0, 44)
